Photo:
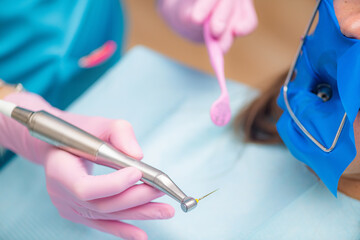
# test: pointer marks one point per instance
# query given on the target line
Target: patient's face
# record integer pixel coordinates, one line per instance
(348, 15)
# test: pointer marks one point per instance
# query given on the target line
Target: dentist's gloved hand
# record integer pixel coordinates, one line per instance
(99, 202)
(228, 18)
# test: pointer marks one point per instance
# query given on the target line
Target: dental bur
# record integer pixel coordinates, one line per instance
(70, 138)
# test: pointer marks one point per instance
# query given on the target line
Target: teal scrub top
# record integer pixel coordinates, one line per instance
(41, 42)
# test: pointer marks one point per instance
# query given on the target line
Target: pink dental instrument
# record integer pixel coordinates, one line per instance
(220, 110)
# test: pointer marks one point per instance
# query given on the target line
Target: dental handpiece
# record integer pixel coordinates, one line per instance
(70, 138)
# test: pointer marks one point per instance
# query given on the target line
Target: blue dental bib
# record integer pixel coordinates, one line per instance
(327, 57)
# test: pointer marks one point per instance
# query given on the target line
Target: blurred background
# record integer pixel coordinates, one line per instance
(254, 60)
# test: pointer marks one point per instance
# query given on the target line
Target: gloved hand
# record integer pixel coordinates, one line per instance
(99, 202)
(228, 18)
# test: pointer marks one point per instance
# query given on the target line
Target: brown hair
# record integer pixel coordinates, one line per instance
(258, 120)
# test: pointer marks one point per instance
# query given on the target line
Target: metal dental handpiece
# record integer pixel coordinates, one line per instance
(61, 134)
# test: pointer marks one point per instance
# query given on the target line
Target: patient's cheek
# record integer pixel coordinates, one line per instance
(354, 167)
(348, 15)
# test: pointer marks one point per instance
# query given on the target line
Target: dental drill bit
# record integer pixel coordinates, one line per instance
(198, 199)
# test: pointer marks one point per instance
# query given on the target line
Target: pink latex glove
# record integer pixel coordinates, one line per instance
(99, 202)
(228, 18)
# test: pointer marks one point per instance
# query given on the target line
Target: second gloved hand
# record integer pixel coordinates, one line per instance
(102, 201)
(228, 18)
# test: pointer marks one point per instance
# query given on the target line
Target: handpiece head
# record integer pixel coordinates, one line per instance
(188, 204)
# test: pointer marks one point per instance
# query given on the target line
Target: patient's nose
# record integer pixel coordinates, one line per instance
(348, 15)
(350, 27)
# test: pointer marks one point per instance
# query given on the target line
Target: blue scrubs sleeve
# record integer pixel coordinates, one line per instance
(42, 41)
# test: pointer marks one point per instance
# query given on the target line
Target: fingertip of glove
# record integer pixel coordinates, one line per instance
(245, 28)
(217, 28)
(164, 211)
(197, 19)
(134, 174)
(139, 154)
(198, 16)
(169, 212)
(138, 235)
(135, 152)
(225, 43)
